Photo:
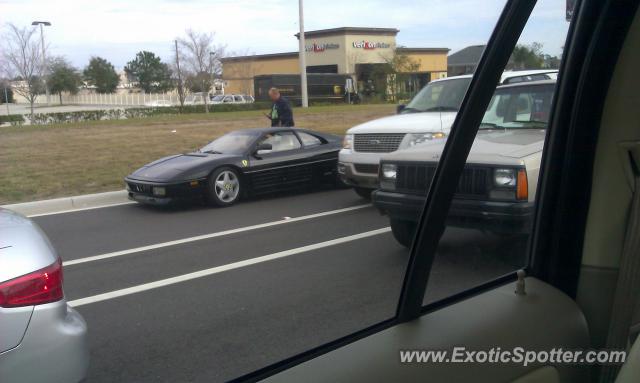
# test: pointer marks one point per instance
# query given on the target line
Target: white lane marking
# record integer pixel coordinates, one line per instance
(81, 209)
(220, 269)
(209, 236)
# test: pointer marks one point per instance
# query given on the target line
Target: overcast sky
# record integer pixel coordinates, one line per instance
(117, 29)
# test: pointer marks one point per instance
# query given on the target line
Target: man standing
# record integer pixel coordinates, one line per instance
(281, 113)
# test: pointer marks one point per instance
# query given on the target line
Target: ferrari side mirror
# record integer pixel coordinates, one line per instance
(264, 148)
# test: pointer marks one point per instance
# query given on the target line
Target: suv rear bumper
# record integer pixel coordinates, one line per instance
(502, 217)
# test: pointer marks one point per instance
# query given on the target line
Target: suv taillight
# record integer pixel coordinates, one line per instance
(39, 287)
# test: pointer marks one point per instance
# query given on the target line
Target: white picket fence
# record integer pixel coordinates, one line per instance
(125, 99)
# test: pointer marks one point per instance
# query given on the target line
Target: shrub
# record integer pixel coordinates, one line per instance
(13, 119)
(116, 114)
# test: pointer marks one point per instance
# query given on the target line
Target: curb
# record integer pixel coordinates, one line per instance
(65, 204)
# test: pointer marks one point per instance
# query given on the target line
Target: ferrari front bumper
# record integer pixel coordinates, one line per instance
(146, 192)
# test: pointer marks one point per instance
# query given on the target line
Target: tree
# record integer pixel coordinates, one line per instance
(101, 74)
(63, 77)
(22, 60)
(527, 56)
(201, 59)
(397, 72)
(177, 75)
(151, 73)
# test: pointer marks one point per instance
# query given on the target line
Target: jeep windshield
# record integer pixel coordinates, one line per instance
(439, 96)
(520, 107)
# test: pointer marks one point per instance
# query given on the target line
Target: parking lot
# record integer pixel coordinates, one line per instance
(205, 294)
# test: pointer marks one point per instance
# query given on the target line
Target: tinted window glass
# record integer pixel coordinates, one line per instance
(232, 143)
(281, 141)
(444, 95)
(309, 139)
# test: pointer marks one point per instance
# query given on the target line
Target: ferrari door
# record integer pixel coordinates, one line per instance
(281, 167)
(321, 157)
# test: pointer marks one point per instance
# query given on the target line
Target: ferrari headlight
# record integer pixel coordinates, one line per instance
(413, 139)
(389, 171)
(504, 177)
(347, 141)
(159, 191)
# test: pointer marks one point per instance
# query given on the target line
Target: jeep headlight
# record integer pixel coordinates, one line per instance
(504, 177)
(347, 141)
(388, 174)
(389, 171)
(413, 139)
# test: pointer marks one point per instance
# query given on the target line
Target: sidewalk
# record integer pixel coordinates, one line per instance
(65, 204)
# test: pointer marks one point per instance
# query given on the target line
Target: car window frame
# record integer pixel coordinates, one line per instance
(431, 225)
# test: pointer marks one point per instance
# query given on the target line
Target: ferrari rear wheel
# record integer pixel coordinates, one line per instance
(224, 187)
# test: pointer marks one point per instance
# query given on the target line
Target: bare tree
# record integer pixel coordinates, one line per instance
(22, 58)
(178, 74)
(201, 57)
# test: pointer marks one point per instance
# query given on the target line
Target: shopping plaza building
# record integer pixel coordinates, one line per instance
(356, 52)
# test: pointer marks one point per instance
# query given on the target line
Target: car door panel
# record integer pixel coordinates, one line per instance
(322, 162)
(541, 319)
(275, 171)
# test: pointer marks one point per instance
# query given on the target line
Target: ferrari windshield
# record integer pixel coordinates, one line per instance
(231, 143)
(519, 107)
(439, 96)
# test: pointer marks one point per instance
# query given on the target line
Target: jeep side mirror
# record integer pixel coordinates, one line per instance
(400, 108)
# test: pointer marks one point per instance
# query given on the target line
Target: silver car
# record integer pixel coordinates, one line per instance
(41, 337)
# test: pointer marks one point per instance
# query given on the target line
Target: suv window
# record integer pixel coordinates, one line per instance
(238, 98)
(444, 95)
(281, 141)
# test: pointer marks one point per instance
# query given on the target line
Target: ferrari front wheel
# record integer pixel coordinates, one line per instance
(224, 187)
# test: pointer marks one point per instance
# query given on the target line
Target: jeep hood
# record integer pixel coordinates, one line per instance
(490, 146)
(408, 123)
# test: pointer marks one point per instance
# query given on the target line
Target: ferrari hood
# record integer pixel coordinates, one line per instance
(178, 167)
(426, 122)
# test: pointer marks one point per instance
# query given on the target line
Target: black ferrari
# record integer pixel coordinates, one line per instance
(243, 162)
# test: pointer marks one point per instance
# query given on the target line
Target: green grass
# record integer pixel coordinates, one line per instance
(39, 162)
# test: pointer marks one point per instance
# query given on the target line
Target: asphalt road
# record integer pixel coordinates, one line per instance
(201, 294)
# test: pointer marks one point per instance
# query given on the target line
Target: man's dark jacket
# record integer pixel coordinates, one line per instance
(281, 113)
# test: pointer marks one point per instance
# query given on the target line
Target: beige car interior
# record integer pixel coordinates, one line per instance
(544, 317)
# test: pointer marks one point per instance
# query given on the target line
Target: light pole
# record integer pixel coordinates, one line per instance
(6, 99)
(44, 60)
(303, 59)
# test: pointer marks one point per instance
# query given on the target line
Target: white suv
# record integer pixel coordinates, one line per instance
(428, 116)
